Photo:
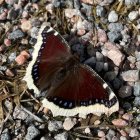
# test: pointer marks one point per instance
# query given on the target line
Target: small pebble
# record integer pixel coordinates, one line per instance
(134, 133)
(25, 54)
(12, 57)
(87, 1)
(110, 134)
(113, 16)
(87, 130)
(55, 125)
(127, 106)
(7, 42)
(137, 55)
(128, 117)
(102, 36)
(32, 132)
(137, 89)
(125, 91)
(123, 133)
(69, 123)
(26, 25)
(10, 2)
(2, 48)
(1, 1)
(138, 118)
(117, 83)
(123, 138)
(115, 27)
(12, 14)
(131, 2)
(9, 73)
(3, 16)
(5, 135)
(110, 75)
(34, 32)
(19, 113)
(101, 134)
(116, 56)
(138, 65)
(130, 75)
(90, 61)
(114, 36)
(137, 101)
(131, 59)
(97, 122)
(16, 34)
(133, 15)
(100, 11)
(20, 59)
(69, 13)
(119, 122)
(99, 66)
(62, 136)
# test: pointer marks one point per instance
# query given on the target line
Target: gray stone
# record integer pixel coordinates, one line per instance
(34, 32)
(114, 36)
(16, 34)
(5, 135)
(19, 113)
(62, 136)
(46, 138)
(125, 91)
(111, 75)
(12, 57)
(77, 4)
(137, 54)
(113, 16)
(130, 75)
(137, 89)
(105, 67)
(99, 66)
(127, 106)
(110, 134)
(100, 11)
(131, 2)
(115, 27)
(91, 61)
(55, 125)
(117, 83)
(137, 101)
(134, 133)
(32, 132)
(99, 56)
(12, 14)
(138, 118)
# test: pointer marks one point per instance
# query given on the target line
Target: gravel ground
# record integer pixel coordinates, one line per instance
(106, 35)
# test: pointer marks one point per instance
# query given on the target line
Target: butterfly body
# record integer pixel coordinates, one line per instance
(72, 88)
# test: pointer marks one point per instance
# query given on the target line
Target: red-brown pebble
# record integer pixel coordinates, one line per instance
(119, 122)
(7, 42)
(25, 54)
(9, 73)
(123, 133)
(1, 1)
(20, 59)
(102, 37)
(2, 48)
(127, 117)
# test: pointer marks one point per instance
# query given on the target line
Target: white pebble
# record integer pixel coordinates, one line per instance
(133, 15)
(113, 16)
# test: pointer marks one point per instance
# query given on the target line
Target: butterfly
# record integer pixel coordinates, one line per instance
(71, 87)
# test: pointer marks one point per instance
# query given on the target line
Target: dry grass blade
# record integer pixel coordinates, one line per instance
(1, 112)
(84, 136)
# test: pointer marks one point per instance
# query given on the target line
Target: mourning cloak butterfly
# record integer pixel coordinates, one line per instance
(72, 88)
